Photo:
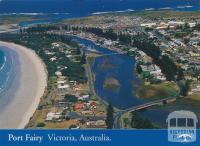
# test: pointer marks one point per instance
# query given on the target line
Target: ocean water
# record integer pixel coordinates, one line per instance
(78, 8)
(2, 60)
(2, 72)
(6, 62)
(51, 11)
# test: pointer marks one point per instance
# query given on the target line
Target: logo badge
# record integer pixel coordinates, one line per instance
(182, 126)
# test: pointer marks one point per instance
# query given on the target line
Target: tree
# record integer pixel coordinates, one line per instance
(180, 74)
(126, 122)
(110, 117)
(147, 124)
(185, 88)
(41, 124)
(83, 58)
(186, 25)
(78, 51)
(71, 98)
(197, 27)
(186, 40)
(21, 30)
(139, 69)
(140, 122)
(168, 67)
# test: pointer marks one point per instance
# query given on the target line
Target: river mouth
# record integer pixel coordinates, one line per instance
(115, 79)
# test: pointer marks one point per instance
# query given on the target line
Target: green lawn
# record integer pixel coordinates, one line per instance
(158, 91)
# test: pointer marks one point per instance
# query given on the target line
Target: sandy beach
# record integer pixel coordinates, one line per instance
(30, 87)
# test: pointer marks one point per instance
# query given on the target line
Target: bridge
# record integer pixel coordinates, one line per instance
(150, 104)
(118, 114)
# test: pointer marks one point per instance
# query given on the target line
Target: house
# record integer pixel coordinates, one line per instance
(100, 122)
(192, 54)
(55, 45)
(176, 23)
(96, 124)
(155, 70)
(53, 116)
(47, 52)
(84, 97)
(53, 58)
(148, 24)
(93, 104)
(108, 42)
(161, 77)
(63, 87)
(152, 69)
(87, 112)
(192, 24)
(195, 87)
(142, 54)
(78, 106)
(62, 84)
(58, 73)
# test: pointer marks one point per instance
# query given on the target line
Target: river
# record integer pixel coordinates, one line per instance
(117, 68)
(121, 68)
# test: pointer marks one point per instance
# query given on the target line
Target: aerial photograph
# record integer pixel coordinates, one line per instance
(98, 64)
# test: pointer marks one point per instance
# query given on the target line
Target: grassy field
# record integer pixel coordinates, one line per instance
(195, 96)
(158, 91)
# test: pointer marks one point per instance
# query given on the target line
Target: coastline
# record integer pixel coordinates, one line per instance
(28, 86)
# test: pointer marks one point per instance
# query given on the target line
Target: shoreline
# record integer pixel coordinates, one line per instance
(32, 83)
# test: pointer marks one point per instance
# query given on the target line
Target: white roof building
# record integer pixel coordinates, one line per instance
(52, 115)
(58, 73)
(65, 86)
(148, 24)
